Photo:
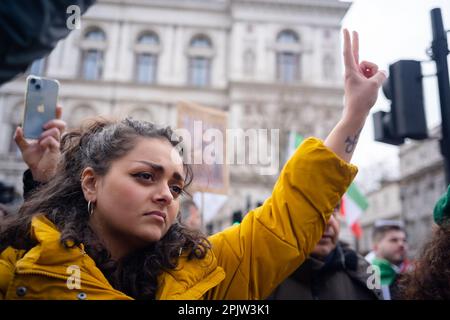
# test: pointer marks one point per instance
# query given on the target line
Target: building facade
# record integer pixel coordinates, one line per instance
(268, 64)
(422, 182)
(412, 197)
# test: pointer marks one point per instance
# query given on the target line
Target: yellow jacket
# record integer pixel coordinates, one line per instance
(247, 261)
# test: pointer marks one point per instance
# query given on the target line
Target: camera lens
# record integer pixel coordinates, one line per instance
(38, 87)
(33, 81)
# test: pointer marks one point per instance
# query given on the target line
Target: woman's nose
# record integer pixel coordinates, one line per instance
(163, 195)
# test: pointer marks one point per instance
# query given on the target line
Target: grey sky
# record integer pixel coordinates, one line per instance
(391, 30)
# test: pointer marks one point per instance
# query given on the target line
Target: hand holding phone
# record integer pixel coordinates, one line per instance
(42, 153)
(40, 105)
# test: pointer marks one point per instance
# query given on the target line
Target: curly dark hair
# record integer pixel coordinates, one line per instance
(430, 278)
(97, 144)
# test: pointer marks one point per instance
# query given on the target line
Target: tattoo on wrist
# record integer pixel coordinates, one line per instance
(350, 142)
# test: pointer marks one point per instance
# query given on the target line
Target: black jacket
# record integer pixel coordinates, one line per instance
(29, 184)
(342, 276)
(30, 29)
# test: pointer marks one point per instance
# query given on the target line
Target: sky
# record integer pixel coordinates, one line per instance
(392, 30)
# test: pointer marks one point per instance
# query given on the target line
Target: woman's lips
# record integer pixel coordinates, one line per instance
(157, 214)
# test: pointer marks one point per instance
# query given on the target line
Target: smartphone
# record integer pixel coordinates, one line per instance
(40, 105)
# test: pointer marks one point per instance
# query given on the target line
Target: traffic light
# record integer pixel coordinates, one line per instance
(407, 116)
(237, 217)
(384, 128)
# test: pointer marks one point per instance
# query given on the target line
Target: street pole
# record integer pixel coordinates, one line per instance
(440, 51)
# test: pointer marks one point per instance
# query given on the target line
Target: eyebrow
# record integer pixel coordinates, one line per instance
(160, 169)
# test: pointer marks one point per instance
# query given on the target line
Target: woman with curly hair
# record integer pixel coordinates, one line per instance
(430, 278)
(104, 225)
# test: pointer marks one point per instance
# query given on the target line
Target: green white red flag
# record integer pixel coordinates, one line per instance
(353, 204)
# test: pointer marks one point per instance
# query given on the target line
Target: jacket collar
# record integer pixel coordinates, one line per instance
(50, 258)
(190, 280)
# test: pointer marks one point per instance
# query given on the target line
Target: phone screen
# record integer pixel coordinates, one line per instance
(40, 105)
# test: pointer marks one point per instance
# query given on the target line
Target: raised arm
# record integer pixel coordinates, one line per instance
(274, 239)
(362, 81)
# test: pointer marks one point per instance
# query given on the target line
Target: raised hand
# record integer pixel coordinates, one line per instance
(362, 80)
(42, 155)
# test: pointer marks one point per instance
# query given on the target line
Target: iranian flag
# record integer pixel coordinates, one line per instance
(353, 204)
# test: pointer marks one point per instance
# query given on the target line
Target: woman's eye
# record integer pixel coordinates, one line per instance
(144, 176)
(177, 190)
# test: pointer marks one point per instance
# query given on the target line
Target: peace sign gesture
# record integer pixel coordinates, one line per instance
(362, 80)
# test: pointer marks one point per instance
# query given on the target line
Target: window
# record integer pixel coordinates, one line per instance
(287, 67)
(92, 57)
(146, 68)
(199, 71)
(201, 42)
(149, 38)
(288, 57)
(92, 65)
(95, 34)
(147, 58)
(287, 36)
(328, 67)
(200, 54)
(249, 62)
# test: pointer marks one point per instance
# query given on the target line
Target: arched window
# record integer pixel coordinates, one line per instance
(95, 34)
(201, 41)
(249, 62)
(287, 36)
(147, 49)
(288, 56)
(200, 56)
(94, 43)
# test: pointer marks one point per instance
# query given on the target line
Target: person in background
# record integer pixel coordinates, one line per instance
(429, 278)
(333, 271)
(390, 254)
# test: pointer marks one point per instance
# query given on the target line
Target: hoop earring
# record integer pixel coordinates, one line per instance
(91, 207)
